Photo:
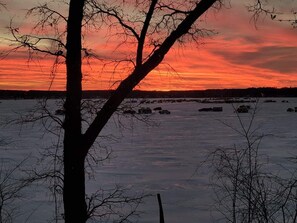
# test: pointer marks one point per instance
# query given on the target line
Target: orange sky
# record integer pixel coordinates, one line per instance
(240, 56)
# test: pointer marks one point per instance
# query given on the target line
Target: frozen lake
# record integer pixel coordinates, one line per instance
(161, 155)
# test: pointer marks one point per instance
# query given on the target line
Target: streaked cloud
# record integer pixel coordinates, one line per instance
(275, 58)
(243, 54)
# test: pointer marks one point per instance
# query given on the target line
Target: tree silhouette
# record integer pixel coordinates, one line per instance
(156, 27)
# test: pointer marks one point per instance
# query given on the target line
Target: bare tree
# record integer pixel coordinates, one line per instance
(244, 187)
(154, 29)
(11, 186)
(10, 191)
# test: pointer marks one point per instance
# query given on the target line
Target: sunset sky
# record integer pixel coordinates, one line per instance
(242, 54)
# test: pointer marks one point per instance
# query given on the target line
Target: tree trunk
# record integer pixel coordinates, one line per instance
(74, 186)
(75, 207)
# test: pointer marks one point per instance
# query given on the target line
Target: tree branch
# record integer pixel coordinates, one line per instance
(113, 13)
(144, 32)
(140, 73)
(33, 42)
(48, 16)
(259, 8)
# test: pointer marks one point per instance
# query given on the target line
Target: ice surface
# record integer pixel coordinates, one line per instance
(162, 156)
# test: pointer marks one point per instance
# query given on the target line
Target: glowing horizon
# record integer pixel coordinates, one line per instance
(240, 56)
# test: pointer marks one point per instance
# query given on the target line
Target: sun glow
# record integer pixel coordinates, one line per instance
(240, 56)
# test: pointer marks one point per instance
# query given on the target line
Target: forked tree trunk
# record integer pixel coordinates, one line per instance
(76, 145)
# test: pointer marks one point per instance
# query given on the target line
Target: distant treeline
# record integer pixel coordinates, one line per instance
(212, 93)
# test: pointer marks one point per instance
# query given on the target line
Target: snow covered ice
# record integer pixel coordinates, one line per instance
(160, 156)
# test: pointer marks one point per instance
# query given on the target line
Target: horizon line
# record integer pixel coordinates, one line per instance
(217, 89)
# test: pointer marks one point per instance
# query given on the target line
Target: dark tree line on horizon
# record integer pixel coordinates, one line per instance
(211, 93)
